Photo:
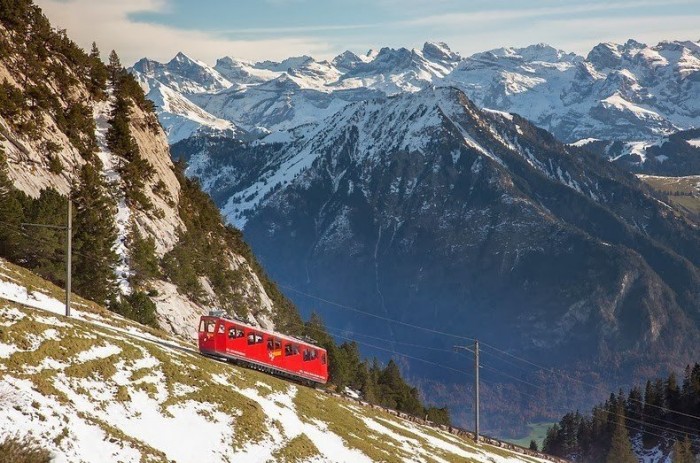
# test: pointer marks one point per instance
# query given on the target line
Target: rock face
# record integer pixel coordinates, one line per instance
(46, 157)
(424, 209)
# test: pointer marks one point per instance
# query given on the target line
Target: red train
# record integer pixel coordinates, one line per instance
(279, 354)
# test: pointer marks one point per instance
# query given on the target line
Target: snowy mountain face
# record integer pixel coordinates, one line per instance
(422, 208)
(96, 387)
(619, 92)
(270, 96)
(183, 74)
(631, 93)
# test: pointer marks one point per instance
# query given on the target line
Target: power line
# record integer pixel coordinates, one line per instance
(515, 357)
(370, 314)
(584, 382)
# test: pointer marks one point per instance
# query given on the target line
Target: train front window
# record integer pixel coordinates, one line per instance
(210, 327)
(201, 326)
(323, 359)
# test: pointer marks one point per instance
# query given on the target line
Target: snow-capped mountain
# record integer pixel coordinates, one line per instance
(630, 93)
(270, 96)
(183, 74)
(618, 92)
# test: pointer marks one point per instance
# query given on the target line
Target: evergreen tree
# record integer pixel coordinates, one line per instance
(98, 74)
(533, 445)
(620, 447)
(114, 68)
(94, 239)
(134, 170)
(142, 258)
(11, 214)
(45, 254)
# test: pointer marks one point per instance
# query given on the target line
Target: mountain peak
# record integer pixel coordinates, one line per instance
(440, 51)
(182, 57)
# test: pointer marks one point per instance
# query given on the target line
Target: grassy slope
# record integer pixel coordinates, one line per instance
(99, 386)
(681, 185)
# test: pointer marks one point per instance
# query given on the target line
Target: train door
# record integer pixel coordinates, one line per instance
(291, 357)
(255, 347)
(220, 337)
(207, 335)
(235, 340)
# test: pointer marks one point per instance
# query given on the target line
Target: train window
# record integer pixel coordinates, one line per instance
(310, 354)
(274, 344)
(323, 359)
(210, 327)
(291, 349)
(254, 338)
(201, 326)
(222, 328)
(234, 333)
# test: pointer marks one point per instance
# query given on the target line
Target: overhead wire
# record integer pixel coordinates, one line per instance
(484, 344)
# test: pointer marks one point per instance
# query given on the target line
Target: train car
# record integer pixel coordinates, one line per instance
(233, 339)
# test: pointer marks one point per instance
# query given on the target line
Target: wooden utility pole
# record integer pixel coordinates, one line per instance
(69, 247)
(69, 253)
(475, 351)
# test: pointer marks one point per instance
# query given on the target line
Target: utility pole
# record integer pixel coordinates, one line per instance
(475, 351)
(69, 253)
(69, 247)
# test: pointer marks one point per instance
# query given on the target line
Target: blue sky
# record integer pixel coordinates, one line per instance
(273, 29)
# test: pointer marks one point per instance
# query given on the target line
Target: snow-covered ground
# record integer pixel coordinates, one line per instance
(96, 387)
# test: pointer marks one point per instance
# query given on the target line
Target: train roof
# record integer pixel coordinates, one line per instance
(220, 314)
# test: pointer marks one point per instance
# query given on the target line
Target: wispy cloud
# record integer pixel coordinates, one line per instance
(110, 24)
(495, 15)
(477, 26)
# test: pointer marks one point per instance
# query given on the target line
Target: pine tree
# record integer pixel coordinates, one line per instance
(620, 447)
(11, 214)
(98, 74)
(115, 68)
(45, 254)
(142, 258)
(94, 237)
(533, 445)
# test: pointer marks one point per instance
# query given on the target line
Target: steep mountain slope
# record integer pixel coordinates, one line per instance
(97, 387)
(60, 121)
(424, 209)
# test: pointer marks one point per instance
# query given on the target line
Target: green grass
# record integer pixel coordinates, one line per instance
(684, 185)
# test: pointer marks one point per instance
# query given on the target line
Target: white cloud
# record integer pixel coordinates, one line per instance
(572, 27)
(109, 24)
